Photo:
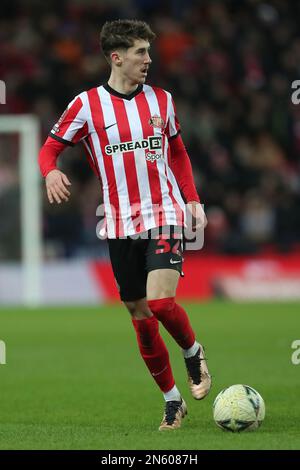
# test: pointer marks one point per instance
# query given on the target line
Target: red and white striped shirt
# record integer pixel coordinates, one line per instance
(126, 138)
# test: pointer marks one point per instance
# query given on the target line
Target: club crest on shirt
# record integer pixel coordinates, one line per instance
(157, 121)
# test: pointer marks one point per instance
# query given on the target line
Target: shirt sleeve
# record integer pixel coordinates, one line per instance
(182, 169)
(48, 155)
(173, 126)
(71, 126)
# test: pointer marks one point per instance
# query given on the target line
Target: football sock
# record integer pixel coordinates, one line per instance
(175, 320)
(191, 351)
(172, 395)
(154, 352)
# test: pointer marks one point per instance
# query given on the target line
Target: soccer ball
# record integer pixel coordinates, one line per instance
(238, 408)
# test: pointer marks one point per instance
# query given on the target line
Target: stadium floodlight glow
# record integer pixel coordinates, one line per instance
(28, 127)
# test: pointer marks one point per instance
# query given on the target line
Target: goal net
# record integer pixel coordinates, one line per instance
(26, 127)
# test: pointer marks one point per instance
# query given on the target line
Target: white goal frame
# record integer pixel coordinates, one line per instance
(28, 127)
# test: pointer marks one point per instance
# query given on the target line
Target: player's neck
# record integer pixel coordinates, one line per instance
(121, 85)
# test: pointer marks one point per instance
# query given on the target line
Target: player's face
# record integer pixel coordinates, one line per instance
(136, 61)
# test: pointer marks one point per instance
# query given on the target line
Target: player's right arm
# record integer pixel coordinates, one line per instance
(57, 186)
(70, 129)
(56, 181)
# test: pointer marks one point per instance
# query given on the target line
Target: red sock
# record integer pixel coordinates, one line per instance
(154, 352)
(175, 320)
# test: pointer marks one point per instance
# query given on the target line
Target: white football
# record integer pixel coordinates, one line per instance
(239, 408)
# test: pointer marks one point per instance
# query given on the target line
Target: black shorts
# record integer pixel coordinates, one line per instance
(132, 259)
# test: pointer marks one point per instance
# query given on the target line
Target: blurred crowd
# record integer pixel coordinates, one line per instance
(230, 67)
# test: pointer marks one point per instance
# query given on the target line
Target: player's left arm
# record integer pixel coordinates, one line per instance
(182, 169)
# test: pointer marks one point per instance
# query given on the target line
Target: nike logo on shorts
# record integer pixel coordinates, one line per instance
(173, 261)
(107, 127)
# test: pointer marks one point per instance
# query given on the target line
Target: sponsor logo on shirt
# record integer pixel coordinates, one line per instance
(152, 143)
(152, 157)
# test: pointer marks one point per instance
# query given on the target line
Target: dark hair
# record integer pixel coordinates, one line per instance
(120, 34)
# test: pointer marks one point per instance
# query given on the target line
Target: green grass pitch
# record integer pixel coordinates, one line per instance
(74, 378)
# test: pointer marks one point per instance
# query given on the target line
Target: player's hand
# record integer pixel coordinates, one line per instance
(56, 185)
(197, 214)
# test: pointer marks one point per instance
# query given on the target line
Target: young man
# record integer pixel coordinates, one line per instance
(131, 135)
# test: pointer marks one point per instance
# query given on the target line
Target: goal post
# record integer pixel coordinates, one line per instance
(28, 127)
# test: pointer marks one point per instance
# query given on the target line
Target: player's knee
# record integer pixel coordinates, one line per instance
(138, 310)
(131, 307)
(161, 307)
